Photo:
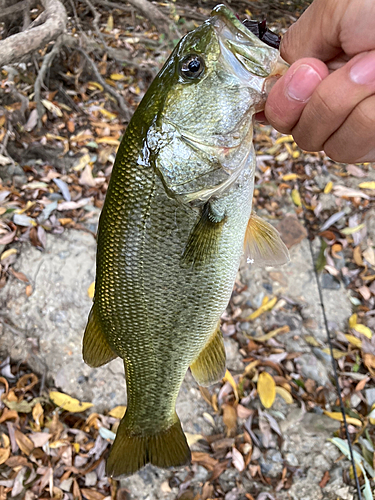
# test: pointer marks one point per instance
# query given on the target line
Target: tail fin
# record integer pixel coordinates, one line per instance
(130, 453)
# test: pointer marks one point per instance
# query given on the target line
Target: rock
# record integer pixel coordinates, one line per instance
(272, 463)
(291, 230)
(311, 367)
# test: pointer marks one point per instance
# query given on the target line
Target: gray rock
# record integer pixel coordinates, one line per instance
(311, 367)
(272, 463)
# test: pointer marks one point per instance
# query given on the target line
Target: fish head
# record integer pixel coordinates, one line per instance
(213, 83)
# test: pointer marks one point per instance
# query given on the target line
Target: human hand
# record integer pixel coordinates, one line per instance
(326, 99)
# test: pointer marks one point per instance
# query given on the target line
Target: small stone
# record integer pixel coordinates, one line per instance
(291, 459)
(291, 230)
(330, 282)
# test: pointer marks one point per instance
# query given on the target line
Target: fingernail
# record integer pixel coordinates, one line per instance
(363, 71)
(303, 83)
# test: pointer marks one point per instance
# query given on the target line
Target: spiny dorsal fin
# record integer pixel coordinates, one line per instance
(263, 244)
(203, 241)
(96, 351)
(209, 367)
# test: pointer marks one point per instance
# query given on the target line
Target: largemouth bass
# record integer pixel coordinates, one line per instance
(172, 232)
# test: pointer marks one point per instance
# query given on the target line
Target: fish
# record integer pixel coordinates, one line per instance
(176, 221)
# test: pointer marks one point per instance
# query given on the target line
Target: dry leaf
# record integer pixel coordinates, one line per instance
(204, 459)
(338, 416)
(230, 419)
(92, 494)
(237, 460)
(68, 403)
(117, 412)
(38, 416)
(296, 198)
(270, 335)
(193, 438)
(353, 340)
(228, 378)
(266, 389)
(25, 444)
(287, 397)
(367, 185)
(364, 330)
(353, 320)
(328, 187)
(289, 177)
(4, 455)
(262, 309)
(91, 290)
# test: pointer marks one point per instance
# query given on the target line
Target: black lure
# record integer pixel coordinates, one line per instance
(262, 32)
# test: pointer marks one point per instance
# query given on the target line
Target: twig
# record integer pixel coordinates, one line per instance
(96, 23)
(26, 15)
(121, 102)
(47, 61)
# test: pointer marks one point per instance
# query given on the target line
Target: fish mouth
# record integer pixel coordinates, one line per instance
(244, 54)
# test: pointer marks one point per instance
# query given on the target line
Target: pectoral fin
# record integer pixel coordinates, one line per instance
(96, 351)
(209, 367)
(263, 245)
(204, 239)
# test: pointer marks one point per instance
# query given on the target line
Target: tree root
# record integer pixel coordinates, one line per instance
(15, 47)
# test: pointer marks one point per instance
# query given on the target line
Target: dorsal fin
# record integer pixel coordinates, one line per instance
(263, 244)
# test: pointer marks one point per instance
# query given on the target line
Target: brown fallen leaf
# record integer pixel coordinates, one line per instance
(25, 443)
(92, 494)
(4, 455)
(230, 419)
(204, 459)
(291, 230)
(326, 477)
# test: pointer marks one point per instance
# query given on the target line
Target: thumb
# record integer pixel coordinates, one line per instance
(290, 93)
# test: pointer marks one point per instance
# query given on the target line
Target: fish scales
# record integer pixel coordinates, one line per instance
(172, 232)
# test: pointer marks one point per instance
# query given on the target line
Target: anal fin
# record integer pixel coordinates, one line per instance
(96, 350)
(209, 367)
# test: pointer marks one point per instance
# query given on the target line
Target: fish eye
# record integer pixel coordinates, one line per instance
(191, 66)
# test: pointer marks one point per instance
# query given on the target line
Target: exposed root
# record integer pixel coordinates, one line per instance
(53, 18)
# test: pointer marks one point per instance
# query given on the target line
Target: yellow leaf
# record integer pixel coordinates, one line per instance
(4, 455)
(107, 114)
(352, 230)
(7, 253)
(91, 290)
(296, 154)
(286, 138)
(229, 378)
(76, 447)
(270, 335)
(68, 403)
(337, 354)
(95, 85)
(117, 76)
(262, 309)
(193, 438)
(266, 389)
(353, 340)
(353, 320)
(328, 187)
(287, 397)
(289, 177)
(365, 330)
(367, 185)
(335, 415)
(108, 140)
(117, 412)
(296, 198)
(109, 26)
(312, 341)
